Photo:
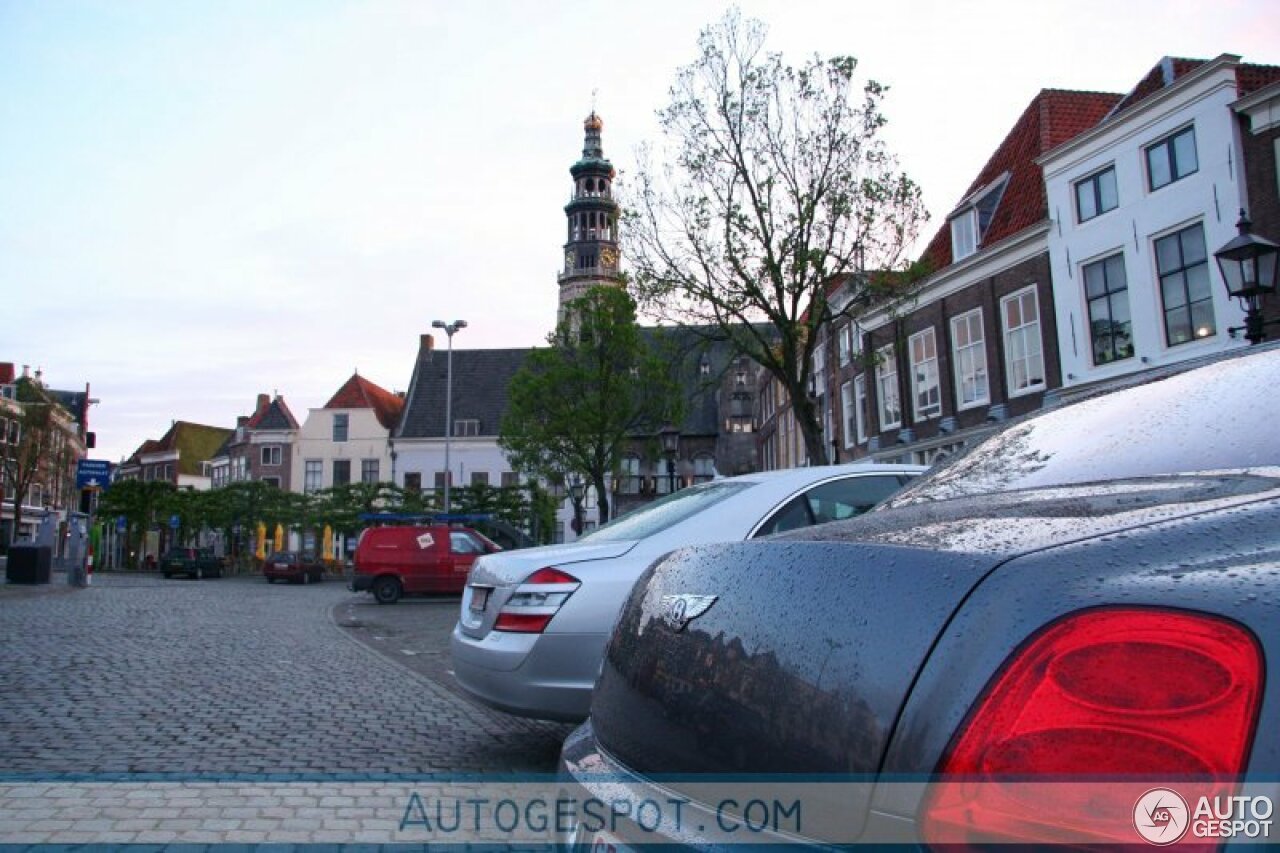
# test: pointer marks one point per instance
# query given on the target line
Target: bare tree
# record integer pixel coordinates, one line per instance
(775, 191)
(37, 450)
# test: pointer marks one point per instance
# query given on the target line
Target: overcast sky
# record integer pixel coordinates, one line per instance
(200, 201)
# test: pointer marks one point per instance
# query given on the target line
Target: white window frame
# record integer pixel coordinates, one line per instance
(925, 377)
(1092, 180)
(1022, 332)
(844, 344)
(860, 406)
(819, 364)
(271, 455)
(846, 412)
(964, 234)
(466, 427)
(1160, 274)
(1166, 142)
(341, 427)
(965, 360)
(310, 484)
(887, 378)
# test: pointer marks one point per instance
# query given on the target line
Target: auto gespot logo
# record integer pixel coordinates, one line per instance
(1162, 816)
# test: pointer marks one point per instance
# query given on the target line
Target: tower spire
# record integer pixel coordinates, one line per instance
(591, 255)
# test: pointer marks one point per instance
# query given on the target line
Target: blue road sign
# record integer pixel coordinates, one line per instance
(120, 524)
(175, 522)
(93, 474)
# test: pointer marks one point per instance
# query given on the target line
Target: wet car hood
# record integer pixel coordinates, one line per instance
(1016, 522)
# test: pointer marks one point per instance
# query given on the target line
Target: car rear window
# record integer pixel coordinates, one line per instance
(653, 518)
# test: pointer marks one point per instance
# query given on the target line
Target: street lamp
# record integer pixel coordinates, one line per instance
(449, 329)
(669, 436)
(577, 491)
(1248, 265)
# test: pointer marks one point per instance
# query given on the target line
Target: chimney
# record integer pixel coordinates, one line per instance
(242, 420)
(427, 342)
(264, 400)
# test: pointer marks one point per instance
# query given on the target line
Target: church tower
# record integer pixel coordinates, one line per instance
(591, 255)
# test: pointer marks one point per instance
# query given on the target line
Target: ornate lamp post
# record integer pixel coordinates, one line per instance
(449, 329)
(577, 491)
(669, 436)
(1248, 266)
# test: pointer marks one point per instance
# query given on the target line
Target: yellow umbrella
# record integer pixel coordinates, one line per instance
(261, 553)
(327, 548)
(278, 544)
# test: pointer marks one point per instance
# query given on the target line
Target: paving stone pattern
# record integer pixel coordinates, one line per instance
(138, 674)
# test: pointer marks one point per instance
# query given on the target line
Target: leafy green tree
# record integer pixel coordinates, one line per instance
(775, 187)
(574, 404)
(341, 506)
(142, 504)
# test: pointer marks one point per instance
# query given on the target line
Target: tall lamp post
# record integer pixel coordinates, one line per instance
(1248, 265)
(577, 491)
(449, 329)
(669, 436)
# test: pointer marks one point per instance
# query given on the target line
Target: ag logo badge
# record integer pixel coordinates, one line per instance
(1161, 816)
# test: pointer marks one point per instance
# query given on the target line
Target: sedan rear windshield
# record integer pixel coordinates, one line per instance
(653, 518)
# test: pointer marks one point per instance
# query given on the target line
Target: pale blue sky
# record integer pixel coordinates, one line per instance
(205, 200)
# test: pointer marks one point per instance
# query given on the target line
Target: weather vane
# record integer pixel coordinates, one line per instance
(594, 92)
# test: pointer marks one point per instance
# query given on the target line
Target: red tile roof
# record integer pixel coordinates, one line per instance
(281, 417)
(1052, 118)
(1165, 73)
(360, 393)
(6, 373)
(1251, 78)
(1171, 69)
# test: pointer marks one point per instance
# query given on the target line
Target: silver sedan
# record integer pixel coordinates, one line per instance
(534, 622)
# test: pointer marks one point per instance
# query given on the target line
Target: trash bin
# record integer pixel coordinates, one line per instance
(29, 564)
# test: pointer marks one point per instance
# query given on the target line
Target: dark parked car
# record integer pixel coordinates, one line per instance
(292, 566)
(1091, 596)
(192, 562)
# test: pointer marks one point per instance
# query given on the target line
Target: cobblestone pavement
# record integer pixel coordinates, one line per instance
(414, 632)
(137, 674)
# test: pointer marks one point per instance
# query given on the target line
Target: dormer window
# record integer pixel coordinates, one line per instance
(964, 235)
(973, 216)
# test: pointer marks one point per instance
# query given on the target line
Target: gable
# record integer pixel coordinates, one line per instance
(1053, 117)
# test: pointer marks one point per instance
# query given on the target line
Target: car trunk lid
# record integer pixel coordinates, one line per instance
(795, 655)
(495, 577)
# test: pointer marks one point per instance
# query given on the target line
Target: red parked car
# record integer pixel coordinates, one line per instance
(395, 561)
(292, 566)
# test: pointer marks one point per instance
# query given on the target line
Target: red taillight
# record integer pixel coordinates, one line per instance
(522, 623)
(1093, 700)
(549, 576)
(536, 601)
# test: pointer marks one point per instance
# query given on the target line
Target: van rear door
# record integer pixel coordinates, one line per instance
(464, 548)
(421, 549)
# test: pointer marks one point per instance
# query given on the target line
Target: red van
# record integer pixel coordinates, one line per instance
(395, 561)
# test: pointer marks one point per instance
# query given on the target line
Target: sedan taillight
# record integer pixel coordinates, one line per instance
(1091, 702)
(536, 601)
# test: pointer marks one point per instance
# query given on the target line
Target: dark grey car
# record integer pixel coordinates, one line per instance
(1068, 634)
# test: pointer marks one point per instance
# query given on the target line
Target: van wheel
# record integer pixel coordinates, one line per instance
(386, 590)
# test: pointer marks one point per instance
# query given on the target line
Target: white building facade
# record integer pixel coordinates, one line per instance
(1138, 205)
